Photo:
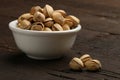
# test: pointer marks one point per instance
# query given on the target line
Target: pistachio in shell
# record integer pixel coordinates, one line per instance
(76, 64)
(47, 29)
(39, 17)
(48, 22)
(92, 65)
(66, 27)
(75, 20)
(35, 9)
(39, 26)
(48, 10)
(24, 24)
(58, 18)
(85, 58)
(26, 16)
(62, 12)
(69, 22)
(57, 27)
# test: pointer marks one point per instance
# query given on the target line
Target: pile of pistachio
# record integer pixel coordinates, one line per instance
(85, 62)
(47, 19)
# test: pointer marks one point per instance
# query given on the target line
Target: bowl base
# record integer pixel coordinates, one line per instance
(45, 58)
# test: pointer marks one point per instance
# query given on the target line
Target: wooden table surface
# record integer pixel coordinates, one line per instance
(99, 37)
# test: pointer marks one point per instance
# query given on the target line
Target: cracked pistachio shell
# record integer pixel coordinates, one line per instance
(26, 16)
(62, 12)
(38, 16)
(69, 22)
(76, 64)
(75, 20)
(85, 58)
(66, 27)
(58, 18)
(49, 22)
(57, 27)
(35, 9)
(93, 65)
(24, 24)
(38, 26)
(47, 29)
(48, 10)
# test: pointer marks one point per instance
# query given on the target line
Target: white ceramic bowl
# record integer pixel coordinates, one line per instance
(43, 44)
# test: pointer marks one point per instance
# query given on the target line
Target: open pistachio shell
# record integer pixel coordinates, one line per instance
(38, 16)
(24, 24)
(26, 16)
(49, 22)
(76, 64)
(57, 27)
(35, 9)
(37, 27)
(75, 20)
(69, 22)
(92, 65)
(39, 23)
(85, 58)
(58, 18)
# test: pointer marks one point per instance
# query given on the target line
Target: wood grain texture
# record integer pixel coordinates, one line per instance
(100, 20)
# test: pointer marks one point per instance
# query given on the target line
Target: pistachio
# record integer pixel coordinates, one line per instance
(35, 9)
(24, 24)
(58, 18)
(57, 27)
(66, 27)
(50, 19)
(93, 65)
(62, 12)
(38, 16)
(26, 16)
(47, 29)
(48, 10)
(75, 20)
(38, 26)
(69, 22)
(49, 22)
(85, 58)
(76, 64)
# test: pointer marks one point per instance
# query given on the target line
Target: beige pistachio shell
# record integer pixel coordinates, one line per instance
(75, 20)
(35, 9)
(66, 27)
(47, 29)
(57, 27)
(85, 57)
(92, 65)
(69, 22)
(76, 64)
(58, 18)
(98, 62)
(26, 16)
(62, 12)
(49, 22)
(39, 23)
(48, 10)
(39, 26)
(38, 16)
(24, 24)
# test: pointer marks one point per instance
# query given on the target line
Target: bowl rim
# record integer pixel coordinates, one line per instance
(13, 27)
